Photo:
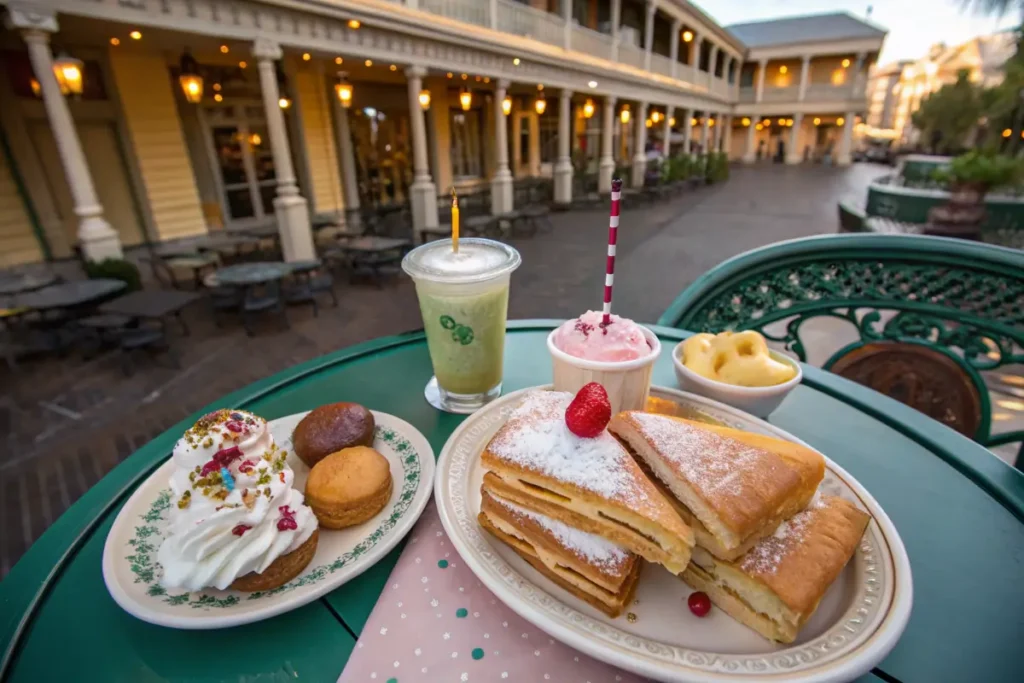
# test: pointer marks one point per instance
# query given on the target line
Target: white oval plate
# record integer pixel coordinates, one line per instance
(857, 623)
(132, 574)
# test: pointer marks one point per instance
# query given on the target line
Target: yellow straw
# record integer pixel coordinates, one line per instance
(455, 222)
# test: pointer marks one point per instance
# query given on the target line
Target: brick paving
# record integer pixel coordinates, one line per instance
(66, 422)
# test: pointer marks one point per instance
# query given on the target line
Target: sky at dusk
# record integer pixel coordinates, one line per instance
(913, 25)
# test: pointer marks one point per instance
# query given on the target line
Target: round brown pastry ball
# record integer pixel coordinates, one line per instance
(348, 487)
(282, 570)
(331, 428)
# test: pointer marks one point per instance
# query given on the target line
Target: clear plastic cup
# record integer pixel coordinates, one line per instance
(464, 303)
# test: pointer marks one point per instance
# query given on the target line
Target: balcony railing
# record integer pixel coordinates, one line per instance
(747, 94)
(469, 11)
(826, 92)
(661, 64)
(720, 87)
(631, 54)
(591, 42)
(527, 21)
(780, 94)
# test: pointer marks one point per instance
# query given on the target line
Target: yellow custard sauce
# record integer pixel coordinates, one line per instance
(738, 358)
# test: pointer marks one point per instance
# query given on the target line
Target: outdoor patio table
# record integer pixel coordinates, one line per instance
(958, 509)
(372, 244)
(245, 274)
(67, 295)
(15, 283)
(152, 303)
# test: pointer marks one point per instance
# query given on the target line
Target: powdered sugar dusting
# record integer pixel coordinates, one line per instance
(592, 548)
(768, 554)
(536, 438)
(712, 464)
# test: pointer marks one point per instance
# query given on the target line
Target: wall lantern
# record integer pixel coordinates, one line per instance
(506, 105)
(68, 72)
(624, 114)
(424, 98)
(588, 109)
(344, 91)
(540, 104)
(465, 99)
(189, 78)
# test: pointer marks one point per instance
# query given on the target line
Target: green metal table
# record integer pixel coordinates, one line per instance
(959, 509)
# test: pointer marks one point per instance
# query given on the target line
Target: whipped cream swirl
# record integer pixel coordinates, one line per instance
(234, 510)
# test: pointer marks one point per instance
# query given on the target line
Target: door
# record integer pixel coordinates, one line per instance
(109, 176)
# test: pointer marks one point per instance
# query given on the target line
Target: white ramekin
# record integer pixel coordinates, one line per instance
(758, 401)
(627, 382)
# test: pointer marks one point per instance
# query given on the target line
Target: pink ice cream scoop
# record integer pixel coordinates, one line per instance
(585, 337)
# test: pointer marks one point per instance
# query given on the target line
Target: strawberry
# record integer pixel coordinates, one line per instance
(589, 412)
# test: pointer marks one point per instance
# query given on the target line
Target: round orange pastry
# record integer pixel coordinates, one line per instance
(349, 487)
(282, 570)
(331, 428)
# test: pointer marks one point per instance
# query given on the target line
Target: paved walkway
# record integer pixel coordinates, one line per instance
(66, 422)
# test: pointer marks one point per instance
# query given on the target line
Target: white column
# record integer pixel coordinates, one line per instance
(858, 65)
(96, 238)
(501, 183)
(726, 124)
(424, 193)
(704, 137)
(347, 157)
(640, 153)
(567, 27)
(493, 13)
(712, 59)
(652, 9)
(805, 74)
(749, 152)
(793, 155)
(716, 132)
(843, 158)
(762, 66)
(667, 143)
(289, 206)
(695, 55)
(616, 13)
(687, 115)
(673, 50)
(563, 164)
(606, 167)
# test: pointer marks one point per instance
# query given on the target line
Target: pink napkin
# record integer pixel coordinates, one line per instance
(436, 622)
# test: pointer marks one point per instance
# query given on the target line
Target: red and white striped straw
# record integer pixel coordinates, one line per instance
(613, 236)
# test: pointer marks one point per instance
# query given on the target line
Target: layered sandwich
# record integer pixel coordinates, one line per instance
(591, 484)
(776, 586)
(588, 566)
(731, 487)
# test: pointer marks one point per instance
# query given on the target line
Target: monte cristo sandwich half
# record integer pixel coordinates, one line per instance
(592, 484)
(732, 487)
(775, 588)
(588, 566)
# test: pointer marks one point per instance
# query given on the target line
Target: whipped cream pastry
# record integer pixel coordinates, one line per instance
(234, 508)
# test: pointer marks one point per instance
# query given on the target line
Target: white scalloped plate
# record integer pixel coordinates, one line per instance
(132, 573)
(857, 623)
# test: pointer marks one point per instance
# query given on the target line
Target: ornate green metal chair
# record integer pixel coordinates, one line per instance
(931, 314)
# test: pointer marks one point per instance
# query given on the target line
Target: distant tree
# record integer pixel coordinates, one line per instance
(1003, 105)
(949, 114)
(994, 7)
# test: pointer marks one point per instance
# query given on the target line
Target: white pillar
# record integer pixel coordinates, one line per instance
(640, 151)
(563, 164)
(712, 59)
(606, 167)
(616, 13)
(96, 238)
(704, 137)
(762, 66)
(805, 73)
(749, 152)
(667, 143)
(567, 27)
(289, 206)
(793, 156)
(687, 115)
(716, 131)
(501, 183)
(858, 66)
(843, 158)
(698, 39)
(493, 11)
(726, 124)
(652, 9)
(424, 193)
(673, 50)
(347, 157)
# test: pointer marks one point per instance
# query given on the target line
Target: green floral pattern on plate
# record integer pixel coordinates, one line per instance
(149, 535)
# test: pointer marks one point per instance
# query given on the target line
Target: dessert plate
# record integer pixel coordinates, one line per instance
(132, 574)
(857, 623)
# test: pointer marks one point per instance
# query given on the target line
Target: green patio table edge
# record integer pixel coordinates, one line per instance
(26, 585)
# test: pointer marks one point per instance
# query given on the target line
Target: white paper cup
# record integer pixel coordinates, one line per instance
(627, 382)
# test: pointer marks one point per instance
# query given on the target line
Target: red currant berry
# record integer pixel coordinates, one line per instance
(699, 603)
(240, 529)
(286, 523)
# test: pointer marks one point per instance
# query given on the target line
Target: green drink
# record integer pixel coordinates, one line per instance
(464, 303)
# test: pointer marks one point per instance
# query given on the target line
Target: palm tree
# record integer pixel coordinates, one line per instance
(994, 7)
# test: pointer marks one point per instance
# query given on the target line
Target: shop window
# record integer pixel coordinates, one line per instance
(466, 148)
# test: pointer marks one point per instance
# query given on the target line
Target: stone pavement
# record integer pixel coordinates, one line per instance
(65, 422)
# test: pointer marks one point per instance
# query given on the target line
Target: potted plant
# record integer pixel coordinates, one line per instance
(969, 178)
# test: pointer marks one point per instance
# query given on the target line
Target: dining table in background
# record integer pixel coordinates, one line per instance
(69, 296)
(16, 283)
(153, 304)
(958, 509)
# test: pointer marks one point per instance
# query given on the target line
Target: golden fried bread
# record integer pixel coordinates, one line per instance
(349, 487)
(280, 571)
(561, 562)
(775, 588)
(738, 488)
(591, 484)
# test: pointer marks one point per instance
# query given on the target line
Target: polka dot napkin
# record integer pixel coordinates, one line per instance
(436, 622)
